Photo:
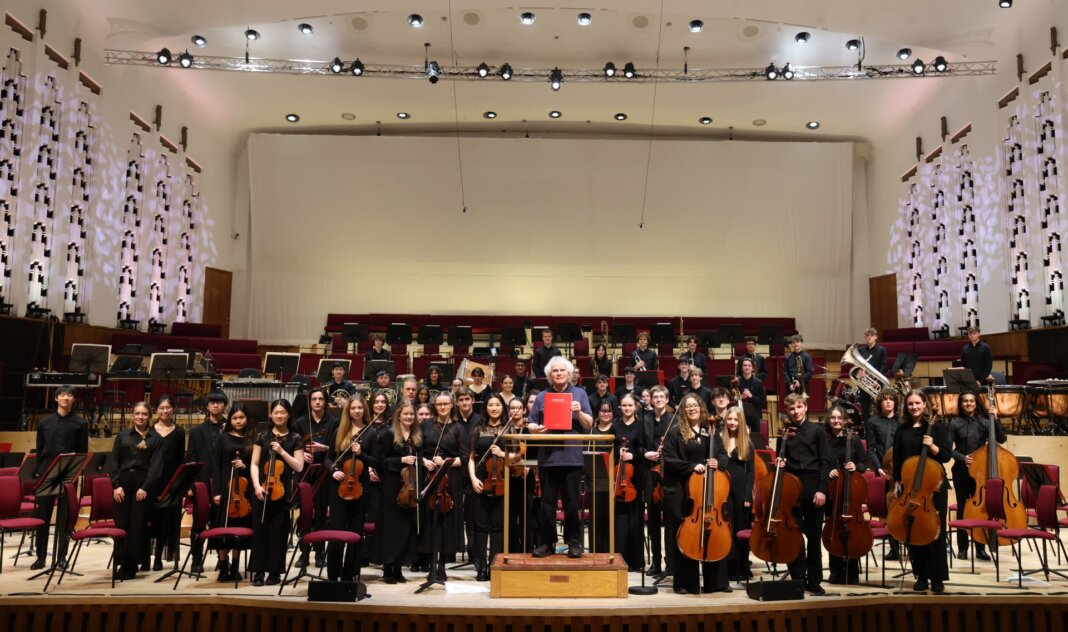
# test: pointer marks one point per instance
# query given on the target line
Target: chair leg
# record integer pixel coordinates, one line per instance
(182, 571)
(1019, 563)
(3, 537)
(292, 558)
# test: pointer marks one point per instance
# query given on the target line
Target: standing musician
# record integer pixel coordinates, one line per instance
(693, 356)
(697, 387)
(542, 354)
(629, 386)
(409, 388)
(686, 451)
(169, 456)
(760, 368)
(479, 389)
(487, 502)
(919, 429)
(339, 388)
(380, 422)
(202, 442)
(422, 394)
(380, 413)
(271, 512)
(879, 431)
(630, 539)
(523, 382)
(600, 363)
(318, 430)
(401, 447)
(834, 426)
(602, 395)
(62, 432)
(751, 388)
(353, 444)
(466, 419)
(598, 539)
(444, 443)
(741, 462)
(525, 487)
(721, 401)
(644, 358)
(435, 381)
(680, 384)
(131, 456)
(808, 458)
(507, 391)
(233, 457)
(977, 356)
(376, 352)
(654, 427)
(797, 367)
(969, 432)
(560, 468)
(875, 354)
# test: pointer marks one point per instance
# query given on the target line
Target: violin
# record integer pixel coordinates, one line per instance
(624, 486)
(705, 535)
(846, 533)
(912, 518)
(350, 488)
(657, 470)
(776, 536)
(441, 500)
(273, 488)
(495, 467)
(988, 462)
(408, 496)
(237, 504)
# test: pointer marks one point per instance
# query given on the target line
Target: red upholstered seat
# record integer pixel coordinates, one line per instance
(329, 535)
(744, 534)
(368, 528)
(15, 524)
(1026, 533)
(98, 532)
(974, 523)
(880, 532)
(225, 532)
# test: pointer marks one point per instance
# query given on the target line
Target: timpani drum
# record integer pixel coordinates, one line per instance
(1011, 400)
(1049, 400)
(940, 402)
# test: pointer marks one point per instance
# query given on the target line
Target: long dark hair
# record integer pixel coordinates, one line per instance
(249, 433)
(284, 403)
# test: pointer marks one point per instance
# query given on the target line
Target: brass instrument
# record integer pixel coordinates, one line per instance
(901, 383)
(390, 393)
(799, 373)
(872, 382)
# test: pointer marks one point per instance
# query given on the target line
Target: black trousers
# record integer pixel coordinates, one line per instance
(489, 527)
(345, 515)
(809, 563)
(131, 516)
(269, 536)
(655, 526)
(630, 536)
(45, 504)
(929, 561)
(964, 484)
(688, 573)
(562, 483)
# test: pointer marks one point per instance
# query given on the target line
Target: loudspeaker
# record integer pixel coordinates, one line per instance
(779, 590)
(336, 591)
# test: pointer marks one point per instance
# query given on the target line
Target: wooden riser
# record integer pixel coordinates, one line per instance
(519, 575)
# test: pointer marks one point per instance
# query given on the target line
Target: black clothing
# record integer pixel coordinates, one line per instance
(488, 507)
(596, 399)
(450, 444)
(648, 356)
(760, 367)
(789, 366)
(928, 561)
(875, 356)
(837, 447)
(696, 359)
(808, 457)
(653, 430)
(540, 358)
(521, 384)
(60, 435)
(322, 431)
(879, 433)
(201, 449)
(168, 457)
(979, 358)
(131, 457)
(344, 388)
(706, 396)
(273, 523)
(399, 524)
(968, 434)
(629, 526)
(601, 366)
(677, 387)
(742, 474)
(349, 515)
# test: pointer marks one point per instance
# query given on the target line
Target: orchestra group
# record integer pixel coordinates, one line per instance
(427, 464)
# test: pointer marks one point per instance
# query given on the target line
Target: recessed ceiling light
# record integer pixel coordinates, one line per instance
(705, 120)
(555, 114)
(489, 114)
(415, 20)
(252, 34)
(759, 122)
(853, 44)
(904, 54)
(403, 115)
(1005, 4)
(813, 125)
(584, 19)
(348, 116)
(696, 26)
(621, 116)
(527, 18)
(292, 118)
(802, 37)
(305, 28)
(199, 41)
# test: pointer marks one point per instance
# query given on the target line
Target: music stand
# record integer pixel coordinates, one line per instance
(374, 366)
(134, 349)
(430, 335)
(172, 496)
(662, 333)
(281, 364)
(324, 374)
(623, 332)
(568, 332)
(98, 463)
(648, 379)
(770, 335)
(959, 382)
(732, 333)
(460, 336)
(63, 469)
(353, 333)
(709, 339)
(399, 333)
(516, 336)
(126, 364)
(724, 381)
(89, 358)
(257, 409)
(167, 366)
(12, 459)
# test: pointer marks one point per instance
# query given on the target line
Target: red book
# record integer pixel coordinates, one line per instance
(557, 411)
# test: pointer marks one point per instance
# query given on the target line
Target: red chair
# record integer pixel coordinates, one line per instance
(201, 511)
(78, 538)
(995, 515)
(306, 498)
(877, 511)
(582, 347)
(1048, 524)
(10, 522)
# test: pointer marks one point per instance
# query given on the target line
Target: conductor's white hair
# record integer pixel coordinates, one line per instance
(562, 361)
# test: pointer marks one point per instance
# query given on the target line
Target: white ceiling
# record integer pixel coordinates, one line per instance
(738, 33)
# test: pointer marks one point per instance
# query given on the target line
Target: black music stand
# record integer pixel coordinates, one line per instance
(173, 494)
(430, 335)
(770, 335)
(436, 555)
(141, 350)
(959, 382)
(63, 469)
(281, 364)
(732, 333)
(98, 463)
(353, 333)
(90, 358)
(374, 366)
(662, 333)
(399, 333)
(515, 336)
(167, 366)
(11, 459)
(460, 336)
(623, 332)
(324, 374)
(709, 339)
(126, 364)
(568, 332)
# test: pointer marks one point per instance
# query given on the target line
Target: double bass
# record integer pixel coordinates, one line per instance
(912, 517)
(989, 462)
(846, 532)
(705, 535)
(776, 536)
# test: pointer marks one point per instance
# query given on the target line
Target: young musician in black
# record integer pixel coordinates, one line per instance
(694, 357)
(479, 389)
(466, 419)
(655, 426)
(543, 354)
(680, 384)
(630, 540)
(969, 431)
(523, 382)
(62, 432)
(643, 358)
(380, 422)
(600, 363)
(435, 382)
(169, 456)
(797, 367)
(271, 516)
(318, 430)
(741, 460)
(444, 446)
(760, 368)
(376, 352)
(875, 355)
(808, 457)
(603, 395)
(597, 535)
(524, 487)
(131, 458)
(488, 503)
(977, 356)
(355, 444)
(201, 449)
(698, 388)
(401, 446)
(834, 426)
(754, 400)
(879, 431)
(629, 385)
(232, 471)
(339, 388)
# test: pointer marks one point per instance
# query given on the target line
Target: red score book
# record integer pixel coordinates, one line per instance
(557, 411)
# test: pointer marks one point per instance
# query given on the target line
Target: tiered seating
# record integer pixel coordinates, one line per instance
(186, 343)
(199, 330)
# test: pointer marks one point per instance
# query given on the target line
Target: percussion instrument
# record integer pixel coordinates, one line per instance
(467, 366)
(941, 403)
(1011, 401)
(1049, 400)
(252, 388)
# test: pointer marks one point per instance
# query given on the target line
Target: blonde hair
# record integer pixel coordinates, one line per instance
(416, 433)
(742, 439)
(344, 427)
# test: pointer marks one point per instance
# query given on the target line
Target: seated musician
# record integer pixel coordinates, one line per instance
(409, 388)
(644, 358)
(600, 363)
(522, 380)
(629, 385)
(376, 352)
(797, 367)
(382, 382)
(969, 431)
(693, 356)
(760, 368)
(434, 381)
(808, 457)
(702, 392)
(340, 388)
(602, 394)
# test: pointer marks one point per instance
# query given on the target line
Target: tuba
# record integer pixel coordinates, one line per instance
(872, 382)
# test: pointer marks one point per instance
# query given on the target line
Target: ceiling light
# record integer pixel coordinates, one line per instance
(904, 54)
(696, 26)
(432, 71)
(348, 116)
(759, 122)
(802, 37)
(199, 41)
(555, 114)
(787, 72)
(705, 120)
(506, 71)
(609, 69)
(305, 28)
(252, 34)
(527, 18)
(918, 67)
(357, 68)
(483, 70)
(940, 64)
(415, 20)
(584, 19)
(813, 125)
(1005, 4)
(853, 44)
(555, 79)
(185, 60)
(621, 117)
(292, 118)
(336, 66)
(490, 114)
(163, 56)
(628, 71)
(771, 72)
(403, 115)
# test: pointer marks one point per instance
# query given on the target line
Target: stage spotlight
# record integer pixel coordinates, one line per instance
(415, 20)
(305, 28)
(771, 72)
(621, 116)
(527, 18)
(584, 19)
(853, 44)
(918, 67)
(940, 64)
(555, 114)
(185, 60)
(696, 26)
(432, 71)
(802, 37)
(336, 66)
(483, 70)
(164, 56)
(629, 72)
(1005, 4)
(813, 125)
(199, 41)
(252, 34)
(609, 69)
(556, 77)
(787, 72)
(904, 54)
(490, 114)
(506, 71)
(357, 68)
(292, 118)
(705, 120)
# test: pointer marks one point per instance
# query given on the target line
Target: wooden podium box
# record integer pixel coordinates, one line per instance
(556, 576)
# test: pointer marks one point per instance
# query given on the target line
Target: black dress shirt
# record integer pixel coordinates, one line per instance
(760, 368)
(131, 453)
(808, 455)
(969, 434)
(875, 356)
(696, 359)
(979, 358)
(879, 433)
(202, 442)
(57, 435)
(541, 357)
(790, 369)
(648, 356)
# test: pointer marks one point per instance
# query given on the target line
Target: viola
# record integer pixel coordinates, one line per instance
(776, 536)
(989, 462)
(625, 490)
(912, 517)
(846, 533)
(408, 496)
(705, 535)
(237, 504)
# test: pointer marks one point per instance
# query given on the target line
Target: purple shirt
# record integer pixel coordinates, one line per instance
(570, 456)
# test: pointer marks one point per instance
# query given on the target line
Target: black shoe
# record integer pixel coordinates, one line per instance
(816, 589)
(937, 586)
(722, 589)
(574, 551)
(224, 570)
(681, 591)
(653, 570)
(835, 579)
(320, 560)
(302, 561)
(38, 564)
(61, 564)
(389, 579)
(892, 556)
(981, 554)
(158, 564)
(543, 551)
(963, 554)
(235, 575)
(257, 579)
(273, 579)
(482, 574)
(634, 569)
(399, 578)
(146, 566)
(198, 567)
(920, 585)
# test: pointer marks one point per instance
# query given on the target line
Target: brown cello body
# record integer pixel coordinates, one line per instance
(912, 517)
(776, 536)
(989, 462)
(846, 532)
(705, 535)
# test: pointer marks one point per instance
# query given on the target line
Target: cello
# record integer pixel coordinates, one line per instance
(846, 533)
(912, 517)
(705, 535)
(776, 536)
(989, 462)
